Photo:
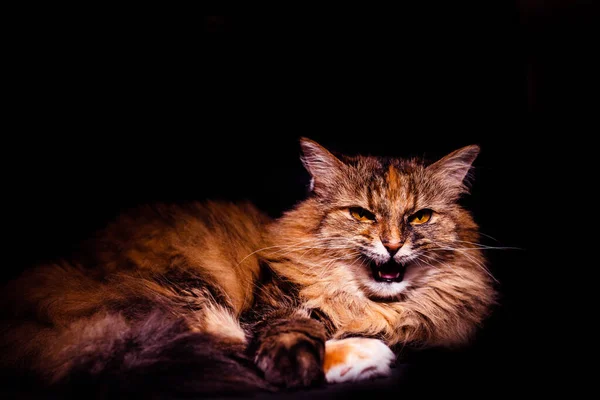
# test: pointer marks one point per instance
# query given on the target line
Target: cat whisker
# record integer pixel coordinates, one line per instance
(464, 252)
(314, 248)
(444, 264)
(482, 246)
(419, 259)
(488, 236)
(475, 248)
(274, 247)
(259, 250)
(320, 269)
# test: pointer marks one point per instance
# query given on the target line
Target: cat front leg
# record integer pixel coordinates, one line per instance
(357, 359)
(291, 352)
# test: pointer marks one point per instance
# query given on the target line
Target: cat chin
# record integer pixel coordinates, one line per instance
(385, 290)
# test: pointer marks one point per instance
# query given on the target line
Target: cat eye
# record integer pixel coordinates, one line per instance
(361, 214)
(420, 217)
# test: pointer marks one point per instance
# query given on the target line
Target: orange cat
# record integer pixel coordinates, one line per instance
(216, 297)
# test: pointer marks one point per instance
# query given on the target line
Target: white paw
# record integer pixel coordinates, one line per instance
(357, 359)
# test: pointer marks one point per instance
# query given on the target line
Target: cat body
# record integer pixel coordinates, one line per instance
(217, 297)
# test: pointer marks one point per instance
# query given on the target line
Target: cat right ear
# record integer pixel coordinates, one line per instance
(453, 169)
(323, 167)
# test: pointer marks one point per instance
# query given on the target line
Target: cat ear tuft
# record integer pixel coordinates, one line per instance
(454, 168)
(322, 166)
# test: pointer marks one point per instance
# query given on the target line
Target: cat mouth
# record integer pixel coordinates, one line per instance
(391, 271)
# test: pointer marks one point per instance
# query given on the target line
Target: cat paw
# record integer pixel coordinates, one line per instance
(292, 361)
(357, 359)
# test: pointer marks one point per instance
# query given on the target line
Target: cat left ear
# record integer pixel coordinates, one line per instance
(322, 166)
(454, 167)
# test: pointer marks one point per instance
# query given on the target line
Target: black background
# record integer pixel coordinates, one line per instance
(111, 112)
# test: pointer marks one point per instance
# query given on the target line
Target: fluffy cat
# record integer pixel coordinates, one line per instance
(217, 298)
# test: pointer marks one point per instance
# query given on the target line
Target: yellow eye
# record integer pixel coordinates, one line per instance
(420, 217)
(361, 214)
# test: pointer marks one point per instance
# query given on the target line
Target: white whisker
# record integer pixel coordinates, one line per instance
(464, 252)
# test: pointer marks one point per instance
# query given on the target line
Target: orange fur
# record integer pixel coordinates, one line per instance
(315, 247)
(334, 355)
(447, 298)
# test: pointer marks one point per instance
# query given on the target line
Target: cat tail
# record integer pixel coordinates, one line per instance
(108, 356)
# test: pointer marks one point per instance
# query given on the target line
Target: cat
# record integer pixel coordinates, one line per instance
(216, 297)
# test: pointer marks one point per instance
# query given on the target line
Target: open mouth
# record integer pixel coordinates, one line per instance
(391, 271)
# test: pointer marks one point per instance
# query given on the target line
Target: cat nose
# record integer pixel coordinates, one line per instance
(391, 247)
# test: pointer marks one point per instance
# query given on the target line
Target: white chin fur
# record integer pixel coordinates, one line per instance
(385, 289)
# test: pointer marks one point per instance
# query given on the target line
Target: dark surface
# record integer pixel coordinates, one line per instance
(106, 116)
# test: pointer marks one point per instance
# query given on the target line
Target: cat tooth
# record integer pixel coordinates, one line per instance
(379, 272)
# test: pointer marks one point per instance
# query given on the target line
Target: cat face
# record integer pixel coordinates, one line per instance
(389, 220)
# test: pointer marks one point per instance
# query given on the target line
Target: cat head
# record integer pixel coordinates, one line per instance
(389, 219)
